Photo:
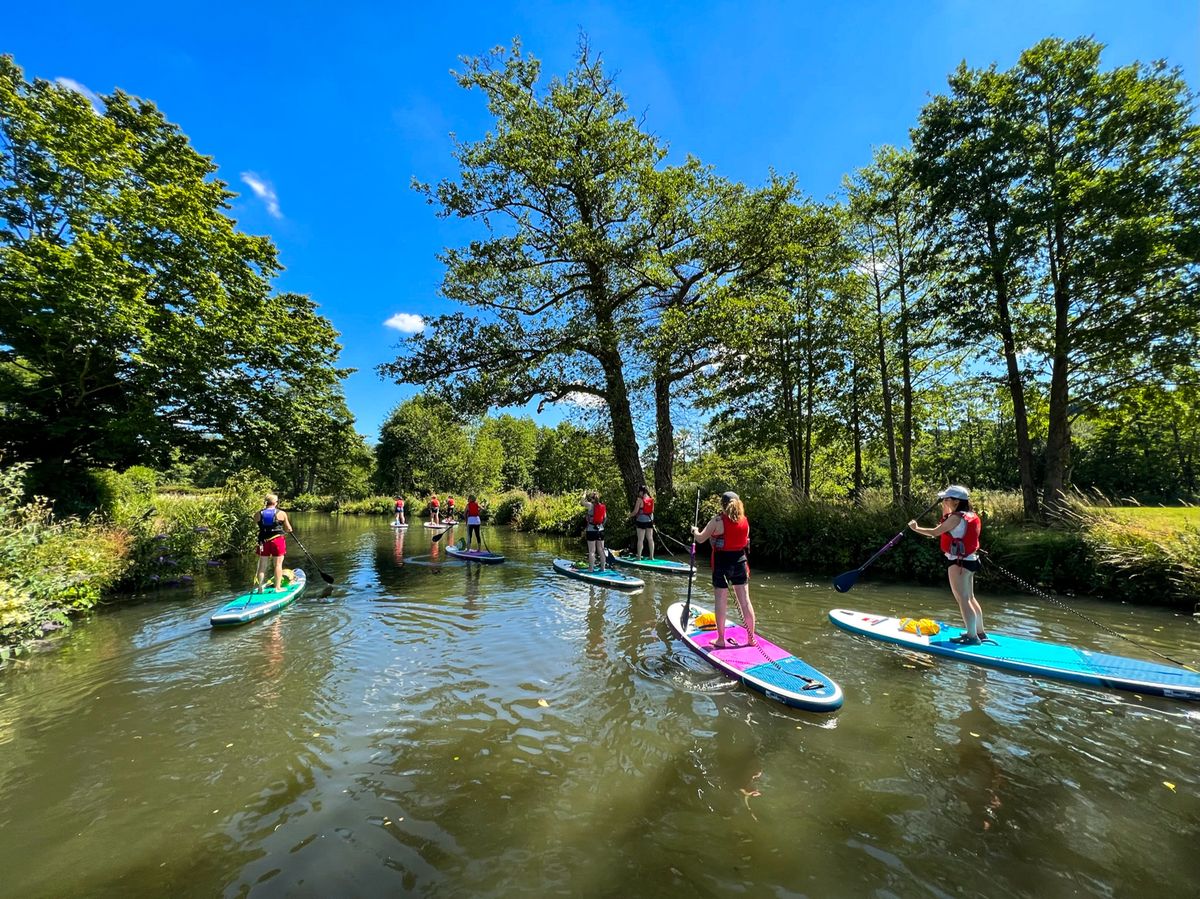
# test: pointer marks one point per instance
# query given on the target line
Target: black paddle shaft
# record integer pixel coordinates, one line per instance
(844, 581)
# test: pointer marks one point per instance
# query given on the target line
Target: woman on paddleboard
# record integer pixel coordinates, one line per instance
(435, 509)
(642, 516)
(272, 524)
(473, 522)
(730, 535)
(594, 532)
(450, 508)
(958, 532)
(399, 511)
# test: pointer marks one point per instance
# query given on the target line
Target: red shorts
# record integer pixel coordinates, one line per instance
(276, 546)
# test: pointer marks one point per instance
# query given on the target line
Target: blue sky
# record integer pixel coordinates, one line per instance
(332, 108)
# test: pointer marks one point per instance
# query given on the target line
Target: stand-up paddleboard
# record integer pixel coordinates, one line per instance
(250, 606)
(606, 578)
(444, 524)
(768, 668)
(665, 565)
(487, 557)
(397, 524)
(1038, 657)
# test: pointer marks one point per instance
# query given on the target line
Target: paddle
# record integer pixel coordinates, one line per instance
(843, 582)
(687, 606)
(327, 578)
(438, 536)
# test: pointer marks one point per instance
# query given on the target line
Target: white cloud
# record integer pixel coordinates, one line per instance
(72, 85)
(406, 323)
(265, 191)
(586, 400)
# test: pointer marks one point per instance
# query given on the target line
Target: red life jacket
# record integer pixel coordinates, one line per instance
(399, 504)
(450, 502)
(597, 515)
(968, 543)
(473, 509)
(434, 502)
(736, 536)
(647, 505)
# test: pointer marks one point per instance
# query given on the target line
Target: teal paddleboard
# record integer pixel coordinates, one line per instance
(606, 578)
(1039, 657)
(250, 606)
(667, 566)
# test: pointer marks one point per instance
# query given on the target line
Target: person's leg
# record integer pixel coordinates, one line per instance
(955, 574)
(260, 574)
(721, 604)
(968, 584)
(591, 545)
(650, 540)
(742, 592)
(278, 573)
(600, 552)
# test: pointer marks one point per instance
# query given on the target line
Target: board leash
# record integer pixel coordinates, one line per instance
(1104, 627)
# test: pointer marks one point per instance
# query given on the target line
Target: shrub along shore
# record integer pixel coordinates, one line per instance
(144, 537)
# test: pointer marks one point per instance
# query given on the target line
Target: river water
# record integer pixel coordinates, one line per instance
(438, 729)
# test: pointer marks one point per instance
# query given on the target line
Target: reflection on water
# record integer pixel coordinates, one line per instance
(445, 728)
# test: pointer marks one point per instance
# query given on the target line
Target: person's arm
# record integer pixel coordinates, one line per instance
(633, 513)
(287, 522)
(948, 525)
(714, 528)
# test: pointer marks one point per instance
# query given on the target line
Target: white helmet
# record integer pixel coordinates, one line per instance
(955, 491)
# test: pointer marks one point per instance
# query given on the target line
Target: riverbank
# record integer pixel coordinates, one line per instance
(141, 538)
(52, 569)
(1145, 555)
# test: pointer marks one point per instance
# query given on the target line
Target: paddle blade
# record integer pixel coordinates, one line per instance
(843, 582)
(440, 534)
(327, 578)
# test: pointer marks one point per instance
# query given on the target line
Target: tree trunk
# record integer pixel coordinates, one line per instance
(856, 431)
(906, 384)
(1015, 387)
(664, 461)
(1058, 438)
(885, 382)
(616, 393)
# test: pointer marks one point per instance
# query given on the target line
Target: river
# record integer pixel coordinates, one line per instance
(435, 728)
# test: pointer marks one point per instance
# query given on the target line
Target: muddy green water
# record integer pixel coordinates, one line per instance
(439, 729)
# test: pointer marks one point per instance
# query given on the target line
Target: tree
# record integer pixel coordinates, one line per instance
(1068, 197)
(558, 284)
(518, 438)
(135, 319)
(423, 446)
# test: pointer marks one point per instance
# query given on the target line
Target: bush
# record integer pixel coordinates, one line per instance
(507, 507)
(48, 568)
(372, 505)
(550, 514)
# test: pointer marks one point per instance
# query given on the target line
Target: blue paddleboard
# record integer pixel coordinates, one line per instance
(1054, 660)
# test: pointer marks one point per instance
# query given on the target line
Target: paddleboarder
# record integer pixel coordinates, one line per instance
(730, 535)
(642, 516)
(435, 509)
(272, 524)
(473, 522)
(958, 532)
(399, 511)
(450, 508)
(594, 532)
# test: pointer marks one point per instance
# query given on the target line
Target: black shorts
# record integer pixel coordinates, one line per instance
(969, 564)
(731, 571)
(592, 534)
(645, 525)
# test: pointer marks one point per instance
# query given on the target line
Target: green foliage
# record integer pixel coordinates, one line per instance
(370, 505)
(550, 514)
(48, 568)
(422, 444)
(507, 506)
(136, 320)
